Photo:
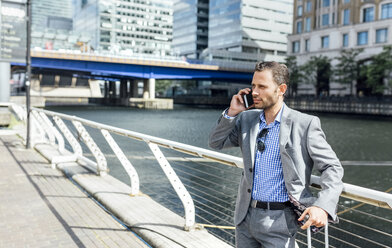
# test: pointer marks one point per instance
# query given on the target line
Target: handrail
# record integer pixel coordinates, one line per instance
(192, 150)
(373, 197)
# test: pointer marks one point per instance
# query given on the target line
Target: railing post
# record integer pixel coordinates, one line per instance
(180, 189)
(124, 161)
(77, 149)
(102, 169)
(57, 134)
(46, 128)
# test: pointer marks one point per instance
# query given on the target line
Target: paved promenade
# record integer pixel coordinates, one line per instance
(40, 207)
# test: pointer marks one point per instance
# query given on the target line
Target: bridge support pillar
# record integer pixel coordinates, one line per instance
(106, 93)
(112, 89)
(5, 75)
(134, 88)
(149, 88)
(123, 88)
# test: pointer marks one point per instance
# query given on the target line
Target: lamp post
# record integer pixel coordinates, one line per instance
(28, 70)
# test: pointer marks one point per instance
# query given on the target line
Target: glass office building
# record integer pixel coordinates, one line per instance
(51, 24)
(249, 30)
(190, 27)
(127, 26)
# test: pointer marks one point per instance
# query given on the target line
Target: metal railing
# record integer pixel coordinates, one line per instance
(46, 131)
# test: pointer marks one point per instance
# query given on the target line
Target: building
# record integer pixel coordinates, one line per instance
(245, 31)
(190, 27)
(128, 27)
(51, 24)
(326, 27)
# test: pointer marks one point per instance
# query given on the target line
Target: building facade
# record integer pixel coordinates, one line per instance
(245, 31)
(190, 27)
(128, 27)
(326, 27)
(51, 24)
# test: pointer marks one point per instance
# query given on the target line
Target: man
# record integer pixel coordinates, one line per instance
(280, 147)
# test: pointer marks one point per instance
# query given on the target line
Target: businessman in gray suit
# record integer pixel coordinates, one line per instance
(280, 147)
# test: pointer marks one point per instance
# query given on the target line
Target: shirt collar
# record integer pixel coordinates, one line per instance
(277, 118)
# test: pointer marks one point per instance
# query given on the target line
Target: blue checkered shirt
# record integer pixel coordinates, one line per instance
(268, 182)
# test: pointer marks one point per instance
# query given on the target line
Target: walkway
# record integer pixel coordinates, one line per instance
(40, 207)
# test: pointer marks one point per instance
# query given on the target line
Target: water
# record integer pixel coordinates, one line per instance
(212, 186)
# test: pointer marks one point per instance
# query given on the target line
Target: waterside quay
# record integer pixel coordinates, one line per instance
(60, 193)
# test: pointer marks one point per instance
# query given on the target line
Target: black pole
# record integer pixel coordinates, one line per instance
(28, 70)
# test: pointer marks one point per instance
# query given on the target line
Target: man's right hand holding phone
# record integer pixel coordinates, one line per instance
(237, 104)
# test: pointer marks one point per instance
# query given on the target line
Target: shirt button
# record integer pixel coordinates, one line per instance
(250, 169)
(248, 190)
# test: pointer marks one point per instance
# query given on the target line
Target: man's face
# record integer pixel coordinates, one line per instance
(266, 93)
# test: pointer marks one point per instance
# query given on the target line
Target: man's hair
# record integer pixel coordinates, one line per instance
(280, 73)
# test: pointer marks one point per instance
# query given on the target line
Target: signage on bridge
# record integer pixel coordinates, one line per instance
(13, 30)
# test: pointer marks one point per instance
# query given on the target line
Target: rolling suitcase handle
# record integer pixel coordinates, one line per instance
(310, 237)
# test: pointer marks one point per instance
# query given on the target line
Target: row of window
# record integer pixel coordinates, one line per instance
(367, 16)
(362, 39)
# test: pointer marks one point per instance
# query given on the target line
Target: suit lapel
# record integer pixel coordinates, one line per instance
(252, 136)
(285, 126)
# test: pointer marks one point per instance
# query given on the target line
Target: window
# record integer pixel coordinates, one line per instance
(368, 14)
(299, 27)
(325, 42)
(386, 11)
(299, 10)
(325, 20)
(346, 1)
(307, 24)
(345, 40)
(325, 3)
(307, 45)
(362, 38)
(346, 17)
(333, 18)
(381, 35)
(308, 6)
(295, 47)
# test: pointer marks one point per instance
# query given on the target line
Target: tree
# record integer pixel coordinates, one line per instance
(317, 71)
(379, 71)
(161, 86)
(295, 75)
(347, 69)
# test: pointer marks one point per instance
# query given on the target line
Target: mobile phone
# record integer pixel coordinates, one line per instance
(248, 100)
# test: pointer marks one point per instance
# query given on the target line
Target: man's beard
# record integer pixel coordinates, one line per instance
(268, 102)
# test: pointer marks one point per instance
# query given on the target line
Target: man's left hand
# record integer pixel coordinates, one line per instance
(317, 217)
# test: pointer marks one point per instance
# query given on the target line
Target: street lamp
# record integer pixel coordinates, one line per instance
(28, 70)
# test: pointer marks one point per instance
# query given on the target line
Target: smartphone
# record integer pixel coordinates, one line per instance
(248, 100)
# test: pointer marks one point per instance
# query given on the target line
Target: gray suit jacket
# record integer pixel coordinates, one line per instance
(302, 145)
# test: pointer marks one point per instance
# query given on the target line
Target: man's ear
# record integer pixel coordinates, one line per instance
(282, 89)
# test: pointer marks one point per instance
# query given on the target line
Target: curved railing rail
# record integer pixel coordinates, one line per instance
(360, 194)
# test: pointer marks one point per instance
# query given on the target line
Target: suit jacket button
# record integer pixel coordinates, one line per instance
(250, 169)
(248, 190)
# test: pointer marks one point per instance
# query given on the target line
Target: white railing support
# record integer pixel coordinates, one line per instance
(102, 169)
(57, 134)
(44, 127)
(133, 176)
(180, 189)
(77, 149)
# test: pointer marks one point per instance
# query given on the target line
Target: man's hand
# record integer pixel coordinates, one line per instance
(317, 217)
(237, 103)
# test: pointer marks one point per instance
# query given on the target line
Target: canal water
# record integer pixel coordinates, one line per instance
(214, 187)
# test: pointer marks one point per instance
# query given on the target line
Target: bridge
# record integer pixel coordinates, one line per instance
(71, 69)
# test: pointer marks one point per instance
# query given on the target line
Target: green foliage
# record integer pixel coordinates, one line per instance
(317, 71)
(378, 70)
(162, 85)
(295, 74)
(347, 69)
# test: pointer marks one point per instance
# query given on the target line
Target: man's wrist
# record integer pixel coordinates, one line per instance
(227, 116)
